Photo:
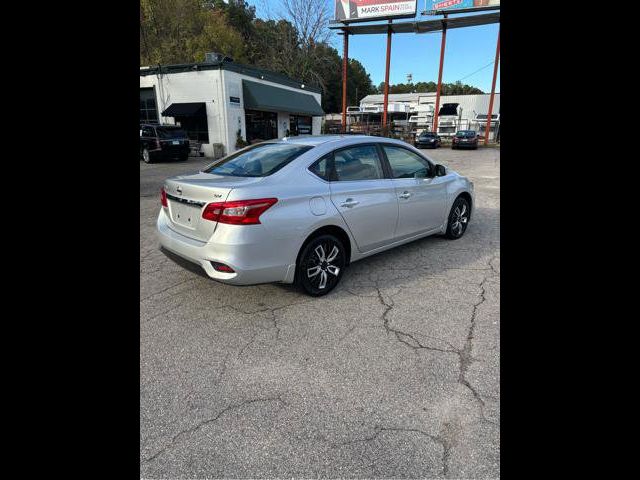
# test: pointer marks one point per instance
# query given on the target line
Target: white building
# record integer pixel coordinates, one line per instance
(457, 112)
(215, 99)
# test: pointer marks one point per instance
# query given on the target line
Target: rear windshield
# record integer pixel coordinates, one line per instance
(258, 161)
(466, 134)
(164, 132)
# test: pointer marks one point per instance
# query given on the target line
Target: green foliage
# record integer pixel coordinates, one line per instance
(182, 31)
(240, 142)
(457, 88)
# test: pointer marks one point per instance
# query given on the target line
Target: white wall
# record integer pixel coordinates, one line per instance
(197, 86)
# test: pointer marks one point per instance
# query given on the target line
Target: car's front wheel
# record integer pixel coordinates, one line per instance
(458, 218)
(146, 156)
(321, 265)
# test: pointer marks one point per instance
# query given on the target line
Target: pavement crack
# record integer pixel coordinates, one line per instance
(168, 288)
(466, 353)
(191, 430)
(406, 338)
(445, 439)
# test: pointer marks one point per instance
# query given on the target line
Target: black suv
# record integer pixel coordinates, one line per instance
(163, 142)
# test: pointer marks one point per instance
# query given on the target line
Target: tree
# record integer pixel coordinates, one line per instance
(457, 88)
(181, 31)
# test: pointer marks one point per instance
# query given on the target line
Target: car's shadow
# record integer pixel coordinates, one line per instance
(424, 258)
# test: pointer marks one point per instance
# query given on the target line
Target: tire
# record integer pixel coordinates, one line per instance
(146, 156)
(458, 219)
(184, 158)
(312, 271)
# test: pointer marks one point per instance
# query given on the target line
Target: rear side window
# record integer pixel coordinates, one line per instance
(406, 164)
(258, 161)
(358, 163)
(171, 133)
(323, 168)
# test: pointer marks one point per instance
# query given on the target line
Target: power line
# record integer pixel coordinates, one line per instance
(482, 68)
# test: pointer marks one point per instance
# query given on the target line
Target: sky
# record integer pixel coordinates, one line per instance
(467, 51)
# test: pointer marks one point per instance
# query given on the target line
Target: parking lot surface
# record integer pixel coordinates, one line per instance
(393, 374)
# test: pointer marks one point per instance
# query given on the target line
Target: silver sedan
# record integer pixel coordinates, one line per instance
(299, 210)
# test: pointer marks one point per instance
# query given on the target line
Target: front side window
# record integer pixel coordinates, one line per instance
(358, 163)
(406, 164)
(258, 161)
(147, 132)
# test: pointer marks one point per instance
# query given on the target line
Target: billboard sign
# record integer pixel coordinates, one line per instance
(361, 10)
(440, 5)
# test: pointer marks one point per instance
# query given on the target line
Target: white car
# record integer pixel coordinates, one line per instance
(300, 210)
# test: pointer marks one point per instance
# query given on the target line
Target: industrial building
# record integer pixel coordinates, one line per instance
(215, 99)
(414, 112)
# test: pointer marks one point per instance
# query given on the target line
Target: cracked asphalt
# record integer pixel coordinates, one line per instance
(395, 374)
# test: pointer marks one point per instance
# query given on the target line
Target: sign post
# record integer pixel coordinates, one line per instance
(386, 81)
(345, 65)
(487, 129)
(439, 87)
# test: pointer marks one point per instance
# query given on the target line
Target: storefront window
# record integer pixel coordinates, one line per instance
(148, 108)
(196, 127)
(261, 125)
(299, 125)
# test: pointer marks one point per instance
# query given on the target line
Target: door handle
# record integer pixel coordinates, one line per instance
(405, 195)
(349, 202)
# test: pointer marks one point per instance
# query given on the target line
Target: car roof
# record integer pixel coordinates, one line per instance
(315, 140)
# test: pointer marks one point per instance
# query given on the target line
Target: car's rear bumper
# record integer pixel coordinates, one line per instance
(253, 262)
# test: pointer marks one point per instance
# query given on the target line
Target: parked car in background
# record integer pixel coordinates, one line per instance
(427, 140)
(163, 142)
(299, 210)
(465, 139)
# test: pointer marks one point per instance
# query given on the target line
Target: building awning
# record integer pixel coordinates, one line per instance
(259, 96)
(185, 110)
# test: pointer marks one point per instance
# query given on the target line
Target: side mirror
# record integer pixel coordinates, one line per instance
(441, 171)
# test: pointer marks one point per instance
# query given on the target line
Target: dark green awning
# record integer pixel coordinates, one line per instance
(258, 96)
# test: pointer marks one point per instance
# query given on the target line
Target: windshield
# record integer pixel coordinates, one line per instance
(164, 132)
(258, 161)
(466, 134)
(427, 135)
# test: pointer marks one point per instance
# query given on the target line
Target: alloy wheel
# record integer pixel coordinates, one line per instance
(322, 265)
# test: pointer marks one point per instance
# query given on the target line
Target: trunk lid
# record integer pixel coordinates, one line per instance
(187, 195)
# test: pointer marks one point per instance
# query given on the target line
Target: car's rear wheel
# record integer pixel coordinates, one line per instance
(146, 156)
(458, 218)
(321, 265)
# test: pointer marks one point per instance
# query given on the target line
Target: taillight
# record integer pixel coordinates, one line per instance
(241, 212)
(163, 198)
(221, 267)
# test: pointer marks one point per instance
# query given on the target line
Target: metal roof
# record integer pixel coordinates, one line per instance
(413, 97)
(425, 26)
(250, 71)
